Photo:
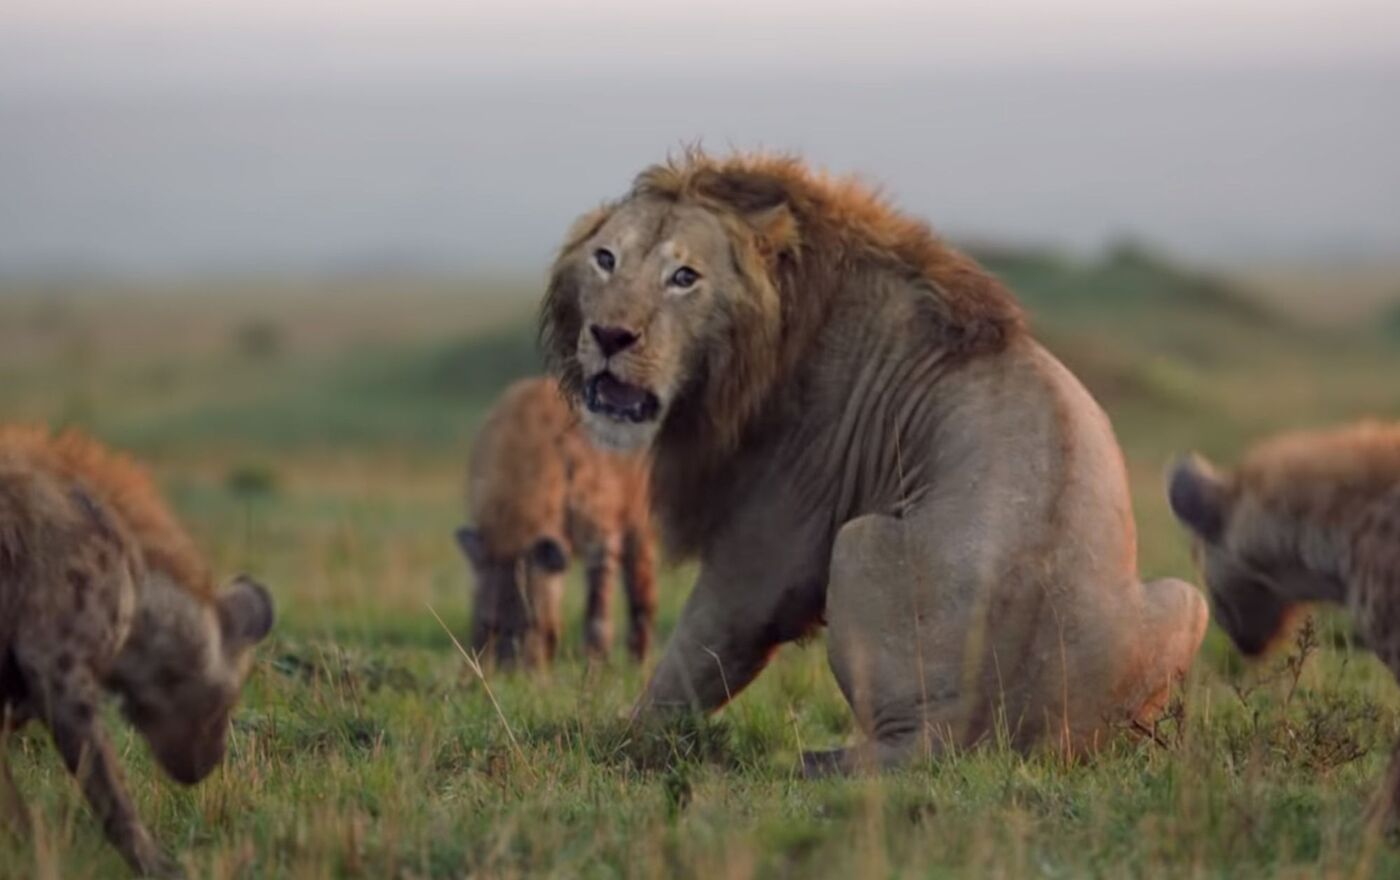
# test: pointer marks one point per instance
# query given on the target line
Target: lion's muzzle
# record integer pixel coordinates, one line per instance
(609, 396)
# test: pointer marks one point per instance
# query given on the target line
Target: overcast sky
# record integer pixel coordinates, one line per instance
(185, 136)
(76, 43)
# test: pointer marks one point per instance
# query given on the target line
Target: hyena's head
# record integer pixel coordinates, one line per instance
(506, 579)
(182, 670)
(1259, 559)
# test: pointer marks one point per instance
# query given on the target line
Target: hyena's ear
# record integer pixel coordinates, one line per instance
(1199, 496)
(246, 612)
(549, 555)
(472, 543)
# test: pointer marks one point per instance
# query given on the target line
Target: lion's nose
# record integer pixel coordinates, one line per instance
(612, 339)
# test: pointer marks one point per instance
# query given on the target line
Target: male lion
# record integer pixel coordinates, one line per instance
(102, 590)
(538, 491)
(1308, 517)
(851, 426)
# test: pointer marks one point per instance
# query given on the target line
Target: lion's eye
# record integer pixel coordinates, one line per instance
(605, 259)
(684, 277)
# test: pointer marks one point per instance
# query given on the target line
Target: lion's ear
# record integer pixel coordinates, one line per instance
(775, 230)
(762, 200)
(747, 192)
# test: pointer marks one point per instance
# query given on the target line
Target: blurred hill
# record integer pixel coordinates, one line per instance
(406, 366)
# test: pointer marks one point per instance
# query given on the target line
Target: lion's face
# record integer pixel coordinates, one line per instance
(654, 293)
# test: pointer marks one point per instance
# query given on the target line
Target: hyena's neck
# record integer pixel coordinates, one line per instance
(1373, 560)
(172, 630)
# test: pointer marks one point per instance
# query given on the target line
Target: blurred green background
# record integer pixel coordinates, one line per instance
(316, 435)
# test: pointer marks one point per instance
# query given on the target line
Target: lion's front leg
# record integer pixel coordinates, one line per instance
(713, 654)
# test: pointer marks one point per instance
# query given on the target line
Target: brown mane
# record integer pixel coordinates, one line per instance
(118, 481)
(799, 238)
(814, 226)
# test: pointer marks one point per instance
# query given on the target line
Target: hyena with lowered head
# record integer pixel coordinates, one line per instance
(538, 493)
(102, 590)
(1306, 517)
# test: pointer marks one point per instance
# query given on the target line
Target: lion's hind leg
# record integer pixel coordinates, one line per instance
(1174, 623)
(884, 642)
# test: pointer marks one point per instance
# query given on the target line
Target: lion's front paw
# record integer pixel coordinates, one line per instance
(819, 765)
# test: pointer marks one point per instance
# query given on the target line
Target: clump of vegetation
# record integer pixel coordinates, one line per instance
(1391, 320)
(481, 365)
(1313, 731)
(259, 339)
(251, 481)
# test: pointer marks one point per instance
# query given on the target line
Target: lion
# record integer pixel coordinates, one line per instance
(538, 493)
(1306, 517)
(851, 426)
(102, 590)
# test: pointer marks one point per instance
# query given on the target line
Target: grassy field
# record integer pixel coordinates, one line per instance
(316, 435)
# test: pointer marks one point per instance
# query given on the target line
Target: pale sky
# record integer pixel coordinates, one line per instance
(74, 43)
(304, 135)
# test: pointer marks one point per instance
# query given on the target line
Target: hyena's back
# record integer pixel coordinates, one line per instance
(67, 569)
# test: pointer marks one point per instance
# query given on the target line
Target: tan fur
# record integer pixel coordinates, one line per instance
(101, 589)
(794, 235)
(534, 476)
(123, 484)
(852, 425)
(1323, 473)
(1311, 516)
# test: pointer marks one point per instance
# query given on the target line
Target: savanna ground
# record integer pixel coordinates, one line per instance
(315, 435)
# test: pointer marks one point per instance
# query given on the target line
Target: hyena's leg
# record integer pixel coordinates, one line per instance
(546, 619)
(597, 614)
(1384, 811)
(501, 617)
(14, 815)
(639, 579)
(483, 620)
(69, 702)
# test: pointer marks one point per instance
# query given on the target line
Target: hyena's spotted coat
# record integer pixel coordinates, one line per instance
(538, 493)
(1309, 517)
(101, 590)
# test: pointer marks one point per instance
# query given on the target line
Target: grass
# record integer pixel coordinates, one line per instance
(320, 442)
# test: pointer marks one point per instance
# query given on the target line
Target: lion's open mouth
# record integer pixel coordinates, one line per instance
(608, 395)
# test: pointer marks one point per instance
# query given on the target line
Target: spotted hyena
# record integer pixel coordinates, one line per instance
(101, 590)
(1308, 517)
(538, 493)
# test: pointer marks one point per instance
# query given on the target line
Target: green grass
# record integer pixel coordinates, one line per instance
(331, 462)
